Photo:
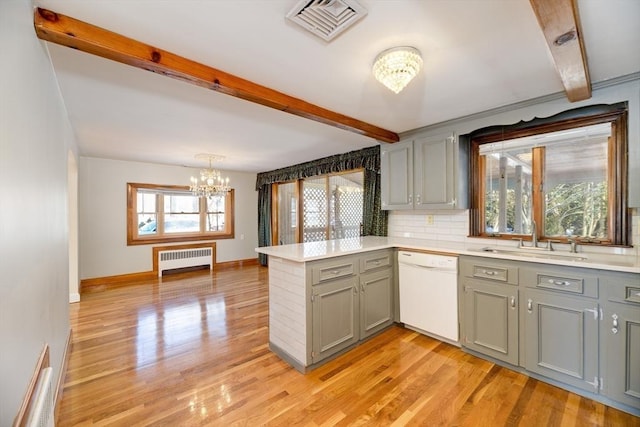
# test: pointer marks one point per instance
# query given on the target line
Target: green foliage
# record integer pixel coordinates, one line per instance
(579, 209)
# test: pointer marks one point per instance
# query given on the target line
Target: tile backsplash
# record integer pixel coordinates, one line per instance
(453, 226)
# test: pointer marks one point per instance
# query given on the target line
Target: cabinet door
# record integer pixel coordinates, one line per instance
(335, 320)
(396, 174)
(561, 338)
(621, 364)
(490, 320)
(434, 172)
(376, 302)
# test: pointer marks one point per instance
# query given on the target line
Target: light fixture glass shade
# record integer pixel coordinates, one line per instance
(211, 182)
(396, 67)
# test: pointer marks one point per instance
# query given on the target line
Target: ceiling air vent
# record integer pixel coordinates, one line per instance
(326, 18)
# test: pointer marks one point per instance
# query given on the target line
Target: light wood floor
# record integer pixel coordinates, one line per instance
(192, 350)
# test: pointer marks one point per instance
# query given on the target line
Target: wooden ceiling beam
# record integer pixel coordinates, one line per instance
(66, 31)
(560, 25)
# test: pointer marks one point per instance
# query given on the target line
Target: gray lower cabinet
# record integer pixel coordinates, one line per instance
(621, 338)
(560, 321)
(489, 312)
(490, 320)
(575, 326)
(376, 303)
(336, 317)
(562, 338)
(351, 299)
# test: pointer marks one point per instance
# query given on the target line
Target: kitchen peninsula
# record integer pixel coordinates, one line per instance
(325, 297)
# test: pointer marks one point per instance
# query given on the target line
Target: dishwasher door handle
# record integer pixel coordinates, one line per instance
(430, 268)
(426, 267)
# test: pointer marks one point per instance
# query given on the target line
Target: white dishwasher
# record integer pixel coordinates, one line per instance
(429, 294)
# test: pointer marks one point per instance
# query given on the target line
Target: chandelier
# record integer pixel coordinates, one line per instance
(211, 182)
(396, 67)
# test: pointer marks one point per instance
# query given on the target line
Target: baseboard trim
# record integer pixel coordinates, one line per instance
(236, 264)
(99, 284)
(63, 374)
(29, 398)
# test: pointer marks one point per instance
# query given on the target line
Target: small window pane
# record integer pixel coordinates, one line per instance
(576, 198)
(508, 189)
(345, 205)
(287, 213)
(181, 223)
(146, 207)
(174, 203)
(146, 202)
(147, 224)
(314, 210)
(215, 213)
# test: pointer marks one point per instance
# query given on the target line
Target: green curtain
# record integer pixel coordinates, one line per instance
(374, 218)
(264, 220)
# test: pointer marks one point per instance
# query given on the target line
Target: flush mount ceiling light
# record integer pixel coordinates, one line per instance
(396, 67)
(211, 182)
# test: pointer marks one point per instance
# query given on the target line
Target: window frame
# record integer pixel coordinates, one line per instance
(619, 222)
(133, 238)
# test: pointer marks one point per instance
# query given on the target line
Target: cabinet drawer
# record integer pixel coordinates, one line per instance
(561, 279)
(566, 284)
(333, 270)
(502, 272)
(375, 260)
(621, 287)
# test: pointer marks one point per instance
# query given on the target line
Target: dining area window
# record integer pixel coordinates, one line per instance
(157, 213)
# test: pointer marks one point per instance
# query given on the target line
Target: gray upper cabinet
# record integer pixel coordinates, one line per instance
(426, 173)
(396, 171)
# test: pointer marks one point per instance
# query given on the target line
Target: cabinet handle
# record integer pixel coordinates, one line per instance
(355, 289)
(513, 302)
(559, 282)
(376, 262)
(410, 198)
(489, 272)
(614, 329)
(418, 199)
(362, 288)
(335, 271)
(529, 305)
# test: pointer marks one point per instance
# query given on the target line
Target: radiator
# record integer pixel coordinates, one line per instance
(180, 258)
(42, 412)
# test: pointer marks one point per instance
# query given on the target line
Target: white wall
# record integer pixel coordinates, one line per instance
(35, 137)
(103, 215)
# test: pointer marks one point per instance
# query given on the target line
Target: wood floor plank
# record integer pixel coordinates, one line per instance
(192, 350)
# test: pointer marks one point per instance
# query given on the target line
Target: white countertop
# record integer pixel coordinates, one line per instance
(303, 252)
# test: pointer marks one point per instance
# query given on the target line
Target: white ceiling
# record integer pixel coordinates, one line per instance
(478, 55)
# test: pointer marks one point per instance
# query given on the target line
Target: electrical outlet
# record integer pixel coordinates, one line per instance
(429, 219)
